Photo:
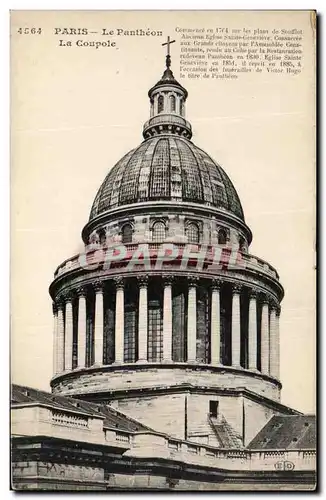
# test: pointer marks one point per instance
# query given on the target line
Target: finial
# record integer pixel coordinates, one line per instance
(168, 57)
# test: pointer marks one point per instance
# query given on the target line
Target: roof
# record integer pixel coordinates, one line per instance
(168, 79)
(292, 432)
(112, 418)
(167, 167)
(226, 435)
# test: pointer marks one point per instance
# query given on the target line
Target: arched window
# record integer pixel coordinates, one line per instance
(222, 237)
(160, 104)
(172, 102)
(242, 244)
(192, 232)
(182, 108)
(126, 233)
(93, 239)
(158, 231)
(102, 236)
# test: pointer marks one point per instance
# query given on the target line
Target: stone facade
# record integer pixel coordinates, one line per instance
(166, 333)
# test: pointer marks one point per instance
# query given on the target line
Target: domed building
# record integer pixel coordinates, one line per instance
(166, 332)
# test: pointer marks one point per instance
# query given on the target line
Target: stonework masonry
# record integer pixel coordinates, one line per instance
(166, 338)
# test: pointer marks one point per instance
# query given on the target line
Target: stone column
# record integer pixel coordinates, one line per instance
(55, 338)
(274, 339)
(142, 320)
(177, 104)
(68, 333)
(192, 320)
(81, 331)
(60, 347)
(264, 337)
(277, 342)
(215, 324)
(167, 319)
(98, 324)
(236, 326)
(156, 105)
(166, 108)
(252, 331)
(119, 321)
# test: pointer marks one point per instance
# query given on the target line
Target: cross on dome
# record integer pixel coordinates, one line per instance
(168, 57)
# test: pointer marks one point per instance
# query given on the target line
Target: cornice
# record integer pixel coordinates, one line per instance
(176, 207)
(261, 284)
(77, 373)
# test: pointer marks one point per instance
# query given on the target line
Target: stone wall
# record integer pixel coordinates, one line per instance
(175, 227)
(165, 413)
(186, 416)
(158, 482)
(50, 476)
(159, 376)
(255, 416)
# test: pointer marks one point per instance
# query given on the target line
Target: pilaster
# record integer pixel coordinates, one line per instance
(192, 319)
(167, 319)
(143, 319)
(252, 331)
(265, 336)
(119, 321)
(81, 332)
(216, 323)
(236, 326)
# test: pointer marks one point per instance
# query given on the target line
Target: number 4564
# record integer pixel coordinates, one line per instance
(29, 31)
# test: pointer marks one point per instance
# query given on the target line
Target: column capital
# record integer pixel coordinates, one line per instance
(60, 301)
(236, 288)
(54, 307)
(193, 281)
(216, 284)
(81, 291)
(98, 286)
(274, 305)
(265, 299)
(168, 279)
(143, 281)
(253, 293)
(119, 283)
(67, 295)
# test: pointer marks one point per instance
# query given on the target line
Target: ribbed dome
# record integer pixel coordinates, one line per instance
(167, 168)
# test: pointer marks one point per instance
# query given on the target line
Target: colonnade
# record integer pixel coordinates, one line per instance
(262, 330)
(167, 106)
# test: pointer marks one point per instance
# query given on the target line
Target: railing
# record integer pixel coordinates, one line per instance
(97, 256)
(169, 119)
(246, 459)
(50, 422)
(67, 420)
(122, 437)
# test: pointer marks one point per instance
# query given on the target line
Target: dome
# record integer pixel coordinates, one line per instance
(167, 167)
(165, 291)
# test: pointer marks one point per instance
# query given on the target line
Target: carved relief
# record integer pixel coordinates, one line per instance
(119, 283)
(98, 285)
(69, 471)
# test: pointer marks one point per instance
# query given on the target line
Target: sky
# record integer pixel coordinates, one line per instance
(77, 111)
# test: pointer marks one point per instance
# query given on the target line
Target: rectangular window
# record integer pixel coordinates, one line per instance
(155, 332)
(155, 321)
(179, 333)
(213, 408)
(131, 323)
(203, 325)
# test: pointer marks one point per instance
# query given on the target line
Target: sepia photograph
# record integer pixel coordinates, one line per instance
(163, 250)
